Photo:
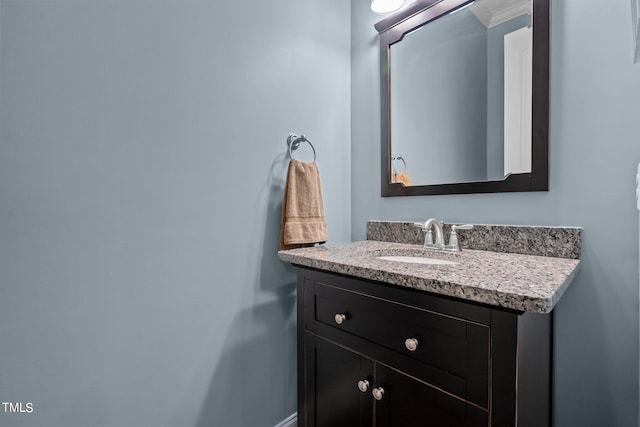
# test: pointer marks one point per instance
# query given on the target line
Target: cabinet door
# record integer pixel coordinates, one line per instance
(408, 402)
(333, 397)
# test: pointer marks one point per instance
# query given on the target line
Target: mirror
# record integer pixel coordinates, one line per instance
(464, 89)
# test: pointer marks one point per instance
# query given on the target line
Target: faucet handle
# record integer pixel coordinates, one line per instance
(428, 238)
(454, 245)
(462, 227)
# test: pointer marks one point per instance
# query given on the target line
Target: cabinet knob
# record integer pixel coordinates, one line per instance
(363, 385)
(411, 344)
(377, 392)
(339, 318)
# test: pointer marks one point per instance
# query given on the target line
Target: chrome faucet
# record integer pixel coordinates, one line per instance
(428, 238)
(454, 244)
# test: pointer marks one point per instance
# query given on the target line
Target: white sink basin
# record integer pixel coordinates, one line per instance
(416, 260)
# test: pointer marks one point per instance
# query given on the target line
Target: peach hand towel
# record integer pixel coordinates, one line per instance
(401, 178)
(302, 220)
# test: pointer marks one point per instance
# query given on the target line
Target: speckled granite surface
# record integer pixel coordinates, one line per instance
(563, 242)
(519, 282)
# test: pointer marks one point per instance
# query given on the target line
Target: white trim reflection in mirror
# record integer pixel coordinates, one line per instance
(635, 16)
(518, 55)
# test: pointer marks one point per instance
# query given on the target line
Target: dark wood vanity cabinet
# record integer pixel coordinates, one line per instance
(371, 354)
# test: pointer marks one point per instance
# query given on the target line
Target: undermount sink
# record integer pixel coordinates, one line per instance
(416, 260)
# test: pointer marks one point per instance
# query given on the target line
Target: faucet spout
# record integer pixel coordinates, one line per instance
(437, 225)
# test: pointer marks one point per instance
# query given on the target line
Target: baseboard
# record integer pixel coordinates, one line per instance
(291, 421)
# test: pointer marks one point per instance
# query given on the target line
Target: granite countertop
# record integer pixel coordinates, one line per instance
(520, 282)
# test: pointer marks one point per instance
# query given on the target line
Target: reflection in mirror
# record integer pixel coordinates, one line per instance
(469, 118)
(459, 88)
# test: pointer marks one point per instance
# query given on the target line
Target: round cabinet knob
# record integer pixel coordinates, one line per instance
(411, 344)
(339, 318)
(377, 392)
(363, 385)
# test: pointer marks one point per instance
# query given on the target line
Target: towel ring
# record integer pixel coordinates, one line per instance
(294, 141)
(393, 164)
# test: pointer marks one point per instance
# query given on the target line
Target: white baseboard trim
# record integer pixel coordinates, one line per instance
(291, 421)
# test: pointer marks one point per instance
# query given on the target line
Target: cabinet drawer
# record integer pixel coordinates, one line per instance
(452, 345)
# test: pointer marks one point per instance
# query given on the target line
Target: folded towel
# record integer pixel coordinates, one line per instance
(401, 178)
(302, 221)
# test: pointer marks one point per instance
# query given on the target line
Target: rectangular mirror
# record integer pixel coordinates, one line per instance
(464, 88)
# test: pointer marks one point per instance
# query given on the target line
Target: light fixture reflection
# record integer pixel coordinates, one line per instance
(383, 7)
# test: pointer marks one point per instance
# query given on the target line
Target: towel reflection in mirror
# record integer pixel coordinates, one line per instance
(399, 176)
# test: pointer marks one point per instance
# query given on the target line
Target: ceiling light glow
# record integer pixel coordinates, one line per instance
(382, 7)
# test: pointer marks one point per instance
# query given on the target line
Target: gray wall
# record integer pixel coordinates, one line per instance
(141, 171)
(443, 121)
(594, 149)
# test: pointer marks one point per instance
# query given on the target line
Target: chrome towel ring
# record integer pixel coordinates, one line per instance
(404, 163)
(294, 141)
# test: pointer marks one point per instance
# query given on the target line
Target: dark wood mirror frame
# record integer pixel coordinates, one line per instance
(393, 28)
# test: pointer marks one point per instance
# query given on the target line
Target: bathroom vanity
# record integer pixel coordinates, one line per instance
(466, 342)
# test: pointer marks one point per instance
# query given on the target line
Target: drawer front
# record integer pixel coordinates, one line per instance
(452, 345)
